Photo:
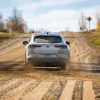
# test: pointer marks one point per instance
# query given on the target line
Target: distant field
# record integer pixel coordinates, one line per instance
(7, 35)
(94, 38)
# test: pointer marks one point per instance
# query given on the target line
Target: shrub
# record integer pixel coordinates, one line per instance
(4, 30)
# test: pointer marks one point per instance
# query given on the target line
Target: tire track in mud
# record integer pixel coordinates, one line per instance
(20, 89)
(9, 44)
(30, 88)
(38, 92)
(46, 85)
(9, 86)
(5, 80)
(11, 49)
(88, 93)
(55, 90)
(77, 93)
(67, 92)
(17, 92)
(85, 54)
(96, 87)
(13, 41)
(12, 45)
(8, 51)
(13, 58)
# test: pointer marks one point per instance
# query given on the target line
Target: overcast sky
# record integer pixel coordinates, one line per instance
(52, 15)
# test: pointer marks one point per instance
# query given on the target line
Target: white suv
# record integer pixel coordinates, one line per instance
(47, 48)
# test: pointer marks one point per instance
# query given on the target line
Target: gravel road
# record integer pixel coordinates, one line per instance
(80, 81)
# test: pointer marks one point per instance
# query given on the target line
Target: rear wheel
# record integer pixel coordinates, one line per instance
(66, 65)
(63, 67)
(28, 65)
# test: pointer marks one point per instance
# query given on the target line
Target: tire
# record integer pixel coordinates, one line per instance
(63, 67)
(28, 65)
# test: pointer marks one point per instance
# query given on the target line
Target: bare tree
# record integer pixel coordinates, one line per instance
(98, 21)
(16, 23)
(98, 16)
(1, 23)
(10, 24)
(83, 22)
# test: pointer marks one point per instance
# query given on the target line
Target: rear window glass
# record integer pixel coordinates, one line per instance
(48, 39)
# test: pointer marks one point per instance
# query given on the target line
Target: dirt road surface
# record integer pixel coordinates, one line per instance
(80, 81)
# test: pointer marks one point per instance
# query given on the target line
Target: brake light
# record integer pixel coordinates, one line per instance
(61, 46)
(33, 46)
(37, 45)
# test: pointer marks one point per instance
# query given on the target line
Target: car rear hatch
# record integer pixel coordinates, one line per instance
(48, 47)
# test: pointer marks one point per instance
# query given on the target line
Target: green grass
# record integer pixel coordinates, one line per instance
(4, 35)
(94, 38)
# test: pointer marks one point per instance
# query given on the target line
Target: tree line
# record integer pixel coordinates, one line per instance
(14, 23)
(84, 26)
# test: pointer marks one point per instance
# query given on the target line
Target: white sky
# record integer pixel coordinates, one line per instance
(53, 15)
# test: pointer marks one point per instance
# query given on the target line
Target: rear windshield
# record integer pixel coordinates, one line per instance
(48, 39)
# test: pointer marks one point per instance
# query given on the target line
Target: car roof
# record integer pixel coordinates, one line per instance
(46, 34)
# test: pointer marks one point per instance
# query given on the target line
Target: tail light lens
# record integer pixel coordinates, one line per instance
(33, 46)
(61, 46)
(30, 46)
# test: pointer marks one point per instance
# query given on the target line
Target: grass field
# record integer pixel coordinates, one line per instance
(94, 38)
(7, 35)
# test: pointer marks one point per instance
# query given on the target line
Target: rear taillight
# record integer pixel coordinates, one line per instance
(37, 46)
(61, 46)
(33, 46)
(30, 46)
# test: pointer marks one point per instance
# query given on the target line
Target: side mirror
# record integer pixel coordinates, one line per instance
(67, 42)
(25, 43)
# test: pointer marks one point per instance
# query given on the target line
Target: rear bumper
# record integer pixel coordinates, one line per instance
(49, 59)
(47, 62)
